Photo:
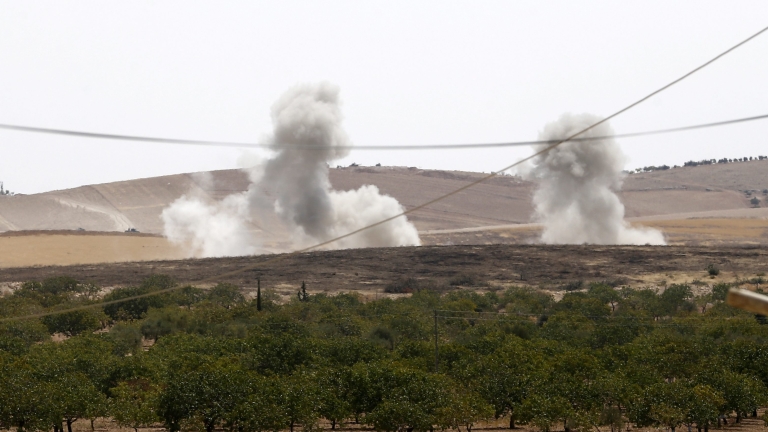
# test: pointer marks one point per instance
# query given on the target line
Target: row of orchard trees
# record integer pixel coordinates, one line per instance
(597, 358)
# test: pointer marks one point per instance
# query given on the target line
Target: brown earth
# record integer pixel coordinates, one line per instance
(369, 271)
(63, 248)
(748, 424)
(67, 248)
(497, 211)
(695, 231)
(501, 200)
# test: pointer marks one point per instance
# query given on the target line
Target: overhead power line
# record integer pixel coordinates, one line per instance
(175, 141)
(406, 212)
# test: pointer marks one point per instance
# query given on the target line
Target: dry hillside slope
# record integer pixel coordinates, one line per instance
(500, 201)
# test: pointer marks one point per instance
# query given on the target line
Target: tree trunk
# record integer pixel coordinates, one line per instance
(93, 428)
(291, 425)
(738, 417)
(754, 413)
(333, 424)
(69, 424)
(512, 422)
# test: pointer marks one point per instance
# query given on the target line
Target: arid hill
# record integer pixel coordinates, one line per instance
(500, 201)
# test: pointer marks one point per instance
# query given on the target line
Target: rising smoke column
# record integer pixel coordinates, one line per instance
(294, 186)
(308, 136)
(576, 197)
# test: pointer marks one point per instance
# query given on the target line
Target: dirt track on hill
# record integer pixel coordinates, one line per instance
(370, 270)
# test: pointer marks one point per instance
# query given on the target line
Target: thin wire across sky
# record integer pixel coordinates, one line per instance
(177, 141)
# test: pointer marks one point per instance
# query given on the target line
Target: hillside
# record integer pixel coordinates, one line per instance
(500, 201)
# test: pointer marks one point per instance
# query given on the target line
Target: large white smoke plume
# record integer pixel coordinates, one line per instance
(292, 189)
(577, 181)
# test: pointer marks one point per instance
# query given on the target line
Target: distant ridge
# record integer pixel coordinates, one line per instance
(502, 200)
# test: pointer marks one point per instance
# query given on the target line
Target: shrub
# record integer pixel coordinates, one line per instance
(719, 291)
(464, 279)
(573, 286)
(402, 286)
(713, 270)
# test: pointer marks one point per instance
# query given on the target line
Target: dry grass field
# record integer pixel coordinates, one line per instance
(68, 248)
(369, 271)
(64, 248)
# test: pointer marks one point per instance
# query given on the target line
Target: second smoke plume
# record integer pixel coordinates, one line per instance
(576, 197)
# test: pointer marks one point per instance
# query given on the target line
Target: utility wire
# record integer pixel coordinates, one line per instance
(371, 147)
(408, 211)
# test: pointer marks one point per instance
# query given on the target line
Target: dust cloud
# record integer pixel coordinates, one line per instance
(292, 189)
(575, 198)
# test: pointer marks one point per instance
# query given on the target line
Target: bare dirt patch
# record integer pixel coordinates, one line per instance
(68, 248)
(369, 271)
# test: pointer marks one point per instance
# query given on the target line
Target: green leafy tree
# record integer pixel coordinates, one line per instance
(126, 339)
(505, 377)
(704, 406)
(165, 321)
(24, 400)
(206, 393)
(137, 308)
(662, 404)
(262, 410)
(16, 337)
(415, 401)
(301, 400)
(134, 403)
(76, 322)
(226, 295)
(333, 395)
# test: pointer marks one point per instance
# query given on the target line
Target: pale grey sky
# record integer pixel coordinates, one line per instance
(410, 72)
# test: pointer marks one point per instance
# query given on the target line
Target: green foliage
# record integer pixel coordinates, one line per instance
(75, 322)
(226, 295)
(719, 291)
(601, 356)
(16, 337)
(302, 294)
(126, 339)
(134, 403)
(137, 308)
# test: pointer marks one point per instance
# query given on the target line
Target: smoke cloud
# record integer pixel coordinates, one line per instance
(292, 189)
(576, 197)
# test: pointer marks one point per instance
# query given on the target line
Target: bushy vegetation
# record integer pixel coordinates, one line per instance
(601, 356)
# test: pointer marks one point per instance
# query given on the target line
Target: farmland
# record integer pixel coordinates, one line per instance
(460, 337)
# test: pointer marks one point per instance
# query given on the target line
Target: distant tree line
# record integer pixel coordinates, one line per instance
(4, 191)
(602, 356)
(692, 163)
